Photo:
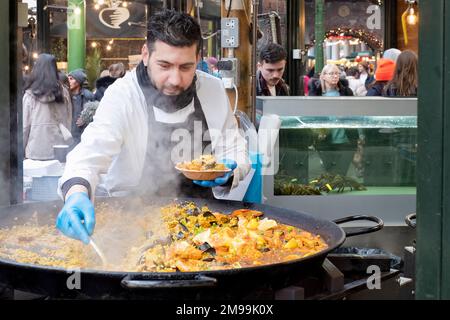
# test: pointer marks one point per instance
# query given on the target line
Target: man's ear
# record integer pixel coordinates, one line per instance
(145, 54)
(259, 65)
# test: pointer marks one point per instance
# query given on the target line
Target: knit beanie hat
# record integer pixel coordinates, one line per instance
(385, 70)
(392, 54)
(79, 76)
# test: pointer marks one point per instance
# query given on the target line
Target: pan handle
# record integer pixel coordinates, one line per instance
(379, 224)
(410, 220)
(196, 281)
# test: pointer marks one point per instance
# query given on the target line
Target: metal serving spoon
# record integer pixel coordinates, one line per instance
(98, 251)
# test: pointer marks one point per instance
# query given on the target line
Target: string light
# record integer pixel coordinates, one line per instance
(35, 55)
(94, 44)
(125, 4)
(108, 47)
(77, 11)
(97, 6)
(370, 39)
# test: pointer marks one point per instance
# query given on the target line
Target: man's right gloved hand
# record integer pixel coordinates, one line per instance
(77, 218)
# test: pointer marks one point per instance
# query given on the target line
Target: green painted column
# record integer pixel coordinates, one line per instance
(433, 163)
(319, 35)
(76, 35)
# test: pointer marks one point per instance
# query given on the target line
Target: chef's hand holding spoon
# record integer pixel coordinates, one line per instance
(77, 218)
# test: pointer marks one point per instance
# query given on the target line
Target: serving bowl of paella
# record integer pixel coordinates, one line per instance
(204, 168)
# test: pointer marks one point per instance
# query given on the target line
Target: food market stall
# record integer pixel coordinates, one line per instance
(379, 166)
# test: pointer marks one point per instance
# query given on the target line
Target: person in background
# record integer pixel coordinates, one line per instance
(64, 79)
(329, 84)
(202, 65)
(364, 74)
(306, 79)
(271, 65)
(336, 146)
(107, 78)
(354, 83)
(212, 66)
(117, 70)
(405, 81)
(46, 108)
(383, 74)
(392, 54)
(80, 96)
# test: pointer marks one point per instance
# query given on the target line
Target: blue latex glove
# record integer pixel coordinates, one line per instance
(77, 218)
(231, 164)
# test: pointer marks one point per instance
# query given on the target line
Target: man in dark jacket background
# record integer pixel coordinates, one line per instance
(80, 96)
(271, 65)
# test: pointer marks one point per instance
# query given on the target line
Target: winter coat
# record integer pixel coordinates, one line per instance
(376, 90)
(102, 84)
(391, 91)
(282, 89)
(315, 88)
(41, 119)
(358, 88)
(78, 102)
(115, 142)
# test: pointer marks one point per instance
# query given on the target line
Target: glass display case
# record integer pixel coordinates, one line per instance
(347, 155)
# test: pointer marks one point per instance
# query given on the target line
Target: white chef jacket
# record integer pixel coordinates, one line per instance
(113, 147)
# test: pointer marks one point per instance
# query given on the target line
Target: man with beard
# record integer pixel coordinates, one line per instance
(161, 113)
(271, 65)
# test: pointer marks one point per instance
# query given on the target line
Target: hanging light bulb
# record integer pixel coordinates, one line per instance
(77, 11)
(97, 6)
(412, 17)
(108, 47)
(125, 4)
(94, 44)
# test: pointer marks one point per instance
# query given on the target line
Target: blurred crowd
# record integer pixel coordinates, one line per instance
(57, 107)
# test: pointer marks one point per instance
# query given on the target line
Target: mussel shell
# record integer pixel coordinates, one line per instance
(183, 227)
(208, 214)
(193, 212)
(206, 248)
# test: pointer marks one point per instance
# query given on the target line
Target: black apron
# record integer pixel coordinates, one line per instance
(159, 176)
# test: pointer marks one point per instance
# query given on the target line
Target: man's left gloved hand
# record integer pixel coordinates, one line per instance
(221, 180)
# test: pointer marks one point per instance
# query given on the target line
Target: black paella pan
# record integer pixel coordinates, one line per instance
(224, 284)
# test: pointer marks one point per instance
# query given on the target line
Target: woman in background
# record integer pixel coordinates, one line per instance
(336, 146)
(47, 110)
(383, 74)
(364, 74)
(405, 81)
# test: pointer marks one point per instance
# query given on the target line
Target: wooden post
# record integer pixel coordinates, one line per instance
(243, 53)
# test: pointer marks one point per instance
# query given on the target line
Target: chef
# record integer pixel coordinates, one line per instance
(161, 113)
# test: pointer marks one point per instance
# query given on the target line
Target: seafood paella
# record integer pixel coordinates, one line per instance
(179, 237)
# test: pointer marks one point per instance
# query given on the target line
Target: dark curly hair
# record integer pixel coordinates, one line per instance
(173, 28)
(272, 53)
